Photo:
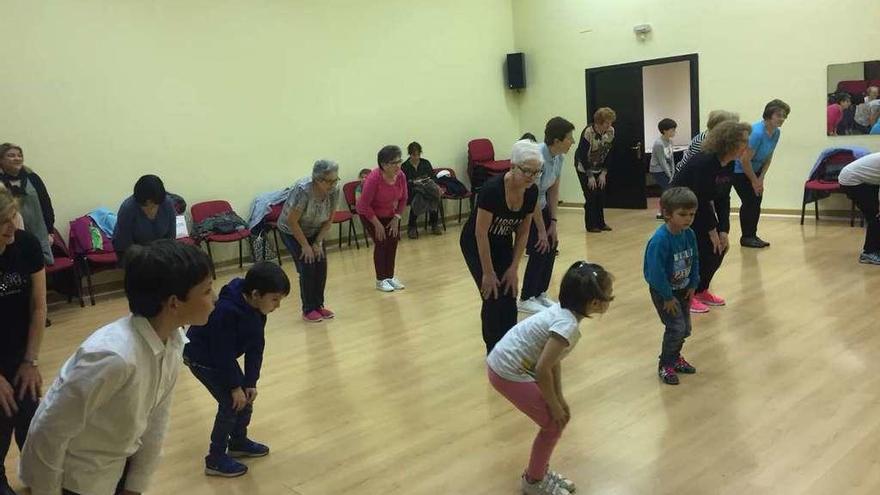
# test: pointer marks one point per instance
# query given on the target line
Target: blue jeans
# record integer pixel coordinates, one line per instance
(312, 276)
(229, 426)
(678, 327)
(661, 179)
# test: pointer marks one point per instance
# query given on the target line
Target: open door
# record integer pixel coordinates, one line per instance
(622, 87)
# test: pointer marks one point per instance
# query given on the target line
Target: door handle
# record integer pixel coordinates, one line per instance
(638, 149)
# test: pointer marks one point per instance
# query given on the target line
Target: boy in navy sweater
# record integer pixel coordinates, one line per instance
(672, 271)
(235, 328)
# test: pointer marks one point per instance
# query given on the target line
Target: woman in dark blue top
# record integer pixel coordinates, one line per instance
(145, 216)
(709, 175)
(22, 319)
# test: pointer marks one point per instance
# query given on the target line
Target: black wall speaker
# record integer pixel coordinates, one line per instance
(516, 71)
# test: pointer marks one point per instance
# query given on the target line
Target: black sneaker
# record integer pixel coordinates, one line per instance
(606, 228)
(668, 375)
(594, 230)
(247, 448)
(683, 366)
(762, 241)
(753, 242)
(224, 466)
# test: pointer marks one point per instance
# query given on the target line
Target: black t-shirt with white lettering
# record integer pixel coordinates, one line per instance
(19, 261)
(493, 199)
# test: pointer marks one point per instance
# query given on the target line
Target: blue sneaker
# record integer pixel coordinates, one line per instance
(247, 448)
(223, 465)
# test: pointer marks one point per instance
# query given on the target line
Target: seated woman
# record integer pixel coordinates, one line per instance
(379, 207)
(23, 306)
(145, 216)
(33, 199)
(305, 219)
(423, 192)
(362, 176)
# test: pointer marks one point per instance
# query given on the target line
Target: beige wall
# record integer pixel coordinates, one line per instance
(750, 52)
(229, 99)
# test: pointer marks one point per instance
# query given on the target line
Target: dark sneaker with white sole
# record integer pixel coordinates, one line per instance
(224, 466)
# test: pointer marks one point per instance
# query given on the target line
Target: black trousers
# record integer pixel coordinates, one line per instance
(865, 196)
(433, 216)
(119, 486)
(539, 268)
(230, 426)
(709, 260)
(750, 211)
(20, 421)
(498, 315)
(594, 202)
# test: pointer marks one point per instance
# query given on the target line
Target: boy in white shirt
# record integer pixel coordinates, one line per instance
(100, 427)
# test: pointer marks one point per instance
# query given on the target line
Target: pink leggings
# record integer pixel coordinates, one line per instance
(527, 397)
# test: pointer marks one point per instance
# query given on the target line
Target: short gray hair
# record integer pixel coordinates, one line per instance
(323, 168)
(525, 150)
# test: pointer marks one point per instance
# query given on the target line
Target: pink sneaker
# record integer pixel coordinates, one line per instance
(313, 316)
(698, 307)
(326, 313)
(709, 299)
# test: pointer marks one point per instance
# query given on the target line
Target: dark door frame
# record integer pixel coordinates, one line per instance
(693, 58)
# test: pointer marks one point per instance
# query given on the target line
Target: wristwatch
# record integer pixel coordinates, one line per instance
(32, 362)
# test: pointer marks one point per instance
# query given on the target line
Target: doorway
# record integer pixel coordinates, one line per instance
(642, 93)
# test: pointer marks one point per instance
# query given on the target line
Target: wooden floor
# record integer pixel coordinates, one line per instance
(391, 397)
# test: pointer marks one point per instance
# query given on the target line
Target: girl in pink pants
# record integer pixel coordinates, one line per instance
(525, 368)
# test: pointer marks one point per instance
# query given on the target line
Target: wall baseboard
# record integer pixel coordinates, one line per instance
(845, 214)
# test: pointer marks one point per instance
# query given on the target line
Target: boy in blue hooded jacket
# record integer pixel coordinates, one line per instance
(235, 328)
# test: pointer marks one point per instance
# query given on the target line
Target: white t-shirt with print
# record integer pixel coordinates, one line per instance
(515, 357)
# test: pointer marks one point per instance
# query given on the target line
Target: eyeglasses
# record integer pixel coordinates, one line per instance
(330, 181)
(530, 172)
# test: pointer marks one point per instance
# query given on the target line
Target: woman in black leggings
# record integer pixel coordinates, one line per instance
(709, 175)
(504, 207)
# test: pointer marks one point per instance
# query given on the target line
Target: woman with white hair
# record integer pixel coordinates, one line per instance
(504, 207)
(306, 217)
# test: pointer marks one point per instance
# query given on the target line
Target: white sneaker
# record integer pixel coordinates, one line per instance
(530, 306)
(393, 282)
(870, 258)
(384, 286)
(562, 481)
(545, 300)
(547, 486)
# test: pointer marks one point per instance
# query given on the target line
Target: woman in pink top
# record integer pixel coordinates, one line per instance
(380, 206)
(839, 103)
